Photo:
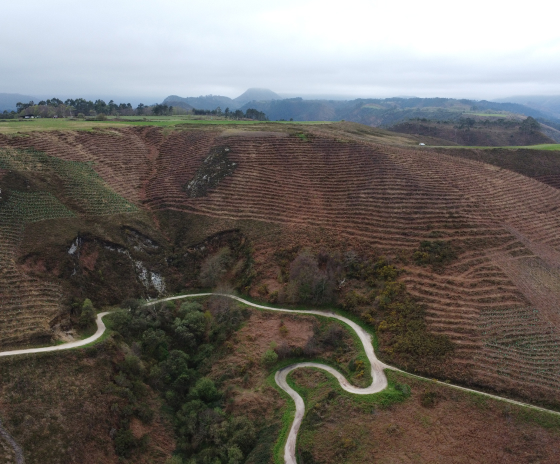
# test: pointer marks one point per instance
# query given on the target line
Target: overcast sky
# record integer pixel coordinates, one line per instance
(150, 49)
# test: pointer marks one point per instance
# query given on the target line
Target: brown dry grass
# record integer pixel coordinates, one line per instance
(456, 428)
(245, 373)
(346, 186)
(57, 408)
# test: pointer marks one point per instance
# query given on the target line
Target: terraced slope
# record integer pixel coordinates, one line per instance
(28, 305)
(497, 301)
(393, 198)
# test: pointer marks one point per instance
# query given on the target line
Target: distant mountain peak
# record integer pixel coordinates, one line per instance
(258, 95)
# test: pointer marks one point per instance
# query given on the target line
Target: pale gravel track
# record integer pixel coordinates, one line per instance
(67, 346)
(379, 380)
(9, 439)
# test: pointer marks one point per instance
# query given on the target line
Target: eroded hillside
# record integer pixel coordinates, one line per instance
(288, 189)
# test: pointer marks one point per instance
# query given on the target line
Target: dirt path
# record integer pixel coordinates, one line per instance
(379, 380)
(9, 439)
(65, 346)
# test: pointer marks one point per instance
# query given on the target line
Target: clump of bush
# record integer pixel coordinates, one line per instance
(87, 314)
(214, 267)
(436, 253)
(403, 331)
(429, 398)
(270, 357)
(385, 304)
(313, 279)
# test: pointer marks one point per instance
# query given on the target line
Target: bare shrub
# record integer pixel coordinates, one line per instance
(214, 267)
(333, 336)
(312, 280)
(429, 399)
(311, 348)
(283, 351)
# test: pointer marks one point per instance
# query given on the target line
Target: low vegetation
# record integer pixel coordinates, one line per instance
(436, 254)
(369, 289)
(477, 130)
(409, 420)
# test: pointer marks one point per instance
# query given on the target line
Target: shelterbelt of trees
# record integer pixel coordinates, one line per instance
(81, 107)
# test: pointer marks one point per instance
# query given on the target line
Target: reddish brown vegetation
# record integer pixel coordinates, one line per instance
(436, 425)
(357, 194)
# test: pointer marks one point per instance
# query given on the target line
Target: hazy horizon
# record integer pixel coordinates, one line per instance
(364, 49)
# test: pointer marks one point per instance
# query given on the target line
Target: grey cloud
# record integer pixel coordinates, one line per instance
(191, 48)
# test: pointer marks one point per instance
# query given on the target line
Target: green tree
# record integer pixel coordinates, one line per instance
(269, 357)
(87, 315)
(205, 390)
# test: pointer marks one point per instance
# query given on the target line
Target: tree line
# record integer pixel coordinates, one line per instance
(80, 107)
(251, 113)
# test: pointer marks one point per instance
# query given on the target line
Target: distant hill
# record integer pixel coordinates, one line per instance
(256, 95)
(498, 132)
(389, 111)
(372, 112)
(181, 103)
(545, 103)
(211, 102)
(8, 100)
(207, 102)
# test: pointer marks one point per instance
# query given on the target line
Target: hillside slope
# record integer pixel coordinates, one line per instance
(8, 101)
(484, 132)
(389, 111)
(323, 188)
(548, 104)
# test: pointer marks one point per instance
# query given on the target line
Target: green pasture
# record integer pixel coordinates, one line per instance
(15, 126)
(489, 115)
(546, 146)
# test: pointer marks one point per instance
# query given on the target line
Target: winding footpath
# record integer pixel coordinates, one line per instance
(67, 346)
(379, 380)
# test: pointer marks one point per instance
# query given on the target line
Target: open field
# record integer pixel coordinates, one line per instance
(546, 146)
(62, 124)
